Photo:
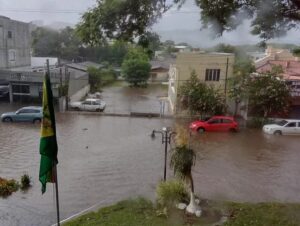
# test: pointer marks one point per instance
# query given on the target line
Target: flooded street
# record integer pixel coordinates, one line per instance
(106, 159)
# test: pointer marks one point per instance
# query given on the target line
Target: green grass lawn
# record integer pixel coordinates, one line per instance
(141, 212)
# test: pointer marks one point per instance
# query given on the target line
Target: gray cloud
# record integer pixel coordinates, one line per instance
(183, 25)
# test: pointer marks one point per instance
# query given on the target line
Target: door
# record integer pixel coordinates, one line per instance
(23, 115)
(87, 105)
(226, 124)
(214, 125)
(290, 128)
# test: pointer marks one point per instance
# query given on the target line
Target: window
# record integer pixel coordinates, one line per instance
(20, 89)
(9, 34)
(212, 74)
(87, 103)
(26, 111)
(226, 121)
(214, 121)
(291, 124)
(12, 55)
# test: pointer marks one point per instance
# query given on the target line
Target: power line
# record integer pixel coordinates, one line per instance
(79, 11)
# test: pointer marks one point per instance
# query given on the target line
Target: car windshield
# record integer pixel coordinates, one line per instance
(281, 123)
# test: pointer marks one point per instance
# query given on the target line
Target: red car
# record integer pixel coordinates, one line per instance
(215, 123)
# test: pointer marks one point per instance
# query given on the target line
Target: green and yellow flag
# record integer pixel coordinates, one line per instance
(48, 143)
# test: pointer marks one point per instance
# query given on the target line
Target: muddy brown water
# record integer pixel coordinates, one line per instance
(106, 159)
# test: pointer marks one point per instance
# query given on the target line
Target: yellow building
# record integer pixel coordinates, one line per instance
(211, 68)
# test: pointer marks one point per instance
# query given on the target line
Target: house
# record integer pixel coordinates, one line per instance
(160, 70)
(211, 68)
(291, 74)
(27, 85)
(276, 54)
(14, 43)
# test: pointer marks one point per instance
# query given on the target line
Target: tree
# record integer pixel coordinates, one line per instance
(268, 94)
(100, 77)
(238, 83)
(136, 67)
(45, 42)
(269, 18)
(296, 51)
(119, 19)
(150, 41)
(127, 19)
(182, 160)
(200, 98)
(64, 43)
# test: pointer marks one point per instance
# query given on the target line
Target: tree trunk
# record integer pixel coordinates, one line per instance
(192, 207)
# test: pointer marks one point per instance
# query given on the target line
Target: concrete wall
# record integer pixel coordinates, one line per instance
(79, 94)
(77, 83)
(14, 43)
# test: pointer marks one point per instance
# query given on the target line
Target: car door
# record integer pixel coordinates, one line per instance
(213, 125)
(225, 125)
(290, 128)
(22, 115)
(86, 105)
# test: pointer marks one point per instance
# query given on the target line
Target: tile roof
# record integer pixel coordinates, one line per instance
(291, 69)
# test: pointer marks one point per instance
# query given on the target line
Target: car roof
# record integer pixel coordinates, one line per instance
(92, 99)
(32, 107)
(225, 117)
(292, 120)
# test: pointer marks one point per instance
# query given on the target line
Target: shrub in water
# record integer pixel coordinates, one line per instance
(25, 181)
(8, 186)
(171, 192)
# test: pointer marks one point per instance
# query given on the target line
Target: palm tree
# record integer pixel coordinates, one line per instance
(182, 160)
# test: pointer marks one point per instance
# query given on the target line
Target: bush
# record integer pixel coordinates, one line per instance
(7, 187)
(25, 181)
(171, 192)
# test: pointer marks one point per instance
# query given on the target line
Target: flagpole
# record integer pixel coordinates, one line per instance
(54, 168)
(56, 191)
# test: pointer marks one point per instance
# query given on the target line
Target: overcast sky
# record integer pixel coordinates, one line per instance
(183, 25)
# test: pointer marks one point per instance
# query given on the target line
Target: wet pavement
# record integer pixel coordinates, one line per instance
(105, 159)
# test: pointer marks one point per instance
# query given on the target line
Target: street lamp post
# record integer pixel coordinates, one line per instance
(166, 135)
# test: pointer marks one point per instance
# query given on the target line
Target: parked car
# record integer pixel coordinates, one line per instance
(283, 127)
(25, 114)
(215, 123)
(89, 105)
(4, 91)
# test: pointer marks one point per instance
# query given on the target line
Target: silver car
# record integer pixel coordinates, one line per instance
(25, 114)
(283, 127)
(89, 104)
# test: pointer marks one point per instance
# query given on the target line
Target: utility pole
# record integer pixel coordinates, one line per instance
(226, 76)
(166, 135)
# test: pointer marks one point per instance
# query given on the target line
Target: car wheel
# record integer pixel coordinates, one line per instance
(36, 120)
(232, 130)
(201, 130)
(7, 119)
(277, 132)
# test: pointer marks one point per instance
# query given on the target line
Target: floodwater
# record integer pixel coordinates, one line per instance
(106, 159)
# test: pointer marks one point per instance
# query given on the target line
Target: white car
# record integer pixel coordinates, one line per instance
(283, 127)
(88, 105)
